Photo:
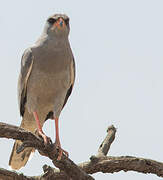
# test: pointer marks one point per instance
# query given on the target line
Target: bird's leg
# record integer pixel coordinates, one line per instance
(40, 131)
(57, 141)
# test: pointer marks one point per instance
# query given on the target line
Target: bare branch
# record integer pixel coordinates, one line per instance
(68, 169)
(116, 164)
(126, 163)
(31, 140)
(105, 146)
(11, 175)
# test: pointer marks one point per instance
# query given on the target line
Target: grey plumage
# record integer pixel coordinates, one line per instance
(46, 80)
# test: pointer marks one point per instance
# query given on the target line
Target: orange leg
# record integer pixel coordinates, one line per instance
(57, 141)
(40, 131)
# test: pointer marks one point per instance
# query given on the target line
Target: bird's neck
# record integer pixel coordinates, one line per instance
(52, 41)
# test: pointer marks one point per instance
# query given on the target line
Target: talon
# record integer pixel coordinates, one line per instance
(60, 154)
(61, 151)
(66, 153)
(39, 129)
(45, 138)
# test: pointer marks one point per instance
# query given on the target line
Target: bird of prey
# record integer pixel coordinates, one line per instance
(45, 83)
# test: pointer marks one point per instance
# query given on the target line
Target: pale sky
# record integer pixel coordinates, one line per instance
(118, 49)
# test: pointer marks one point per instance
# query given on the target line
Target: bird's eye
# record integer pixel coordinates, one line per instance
(51, 20)
(66, 21)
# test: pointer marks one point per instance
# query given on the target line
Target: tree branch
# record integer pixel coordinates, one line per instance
(105, 145)
(68, 169)
(31, 140)
(126, 163)
(12, 175)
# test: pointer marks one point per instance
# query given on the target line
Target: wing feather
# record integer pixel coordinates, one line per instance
(72, 77)
(26, 68)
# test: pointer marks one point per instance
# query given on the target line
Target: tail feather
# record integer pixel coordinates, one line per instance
(18, 160)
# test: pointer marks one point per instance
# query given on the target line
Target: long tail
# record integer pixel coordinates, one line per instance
(19, 160)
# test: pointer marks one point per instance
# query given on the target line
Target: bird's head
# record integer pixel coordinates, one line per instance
(57, 25)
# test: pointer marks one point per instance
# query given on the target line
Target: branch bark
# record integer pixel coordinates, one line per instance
(30, 140)
(68, 169)
(105, 145)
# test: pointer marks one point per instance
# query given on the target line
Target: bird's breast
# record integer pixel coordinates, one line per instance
(50, 77)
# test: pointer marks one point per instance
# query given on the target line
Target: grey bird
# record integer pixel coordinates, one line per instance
(45, 84)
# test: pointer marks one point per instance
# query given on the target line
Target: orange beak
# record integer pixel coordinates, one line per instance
(60, 23)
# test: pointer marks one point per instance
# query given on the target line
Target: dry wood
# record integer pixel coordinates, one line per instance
(68, 170)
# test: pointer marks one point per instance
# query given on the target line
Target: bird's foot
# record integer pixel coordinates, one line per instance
(61, 151)
(45, 138)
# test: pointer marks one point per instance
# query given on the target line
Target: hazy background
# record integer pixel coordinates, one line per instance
(118, 48)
